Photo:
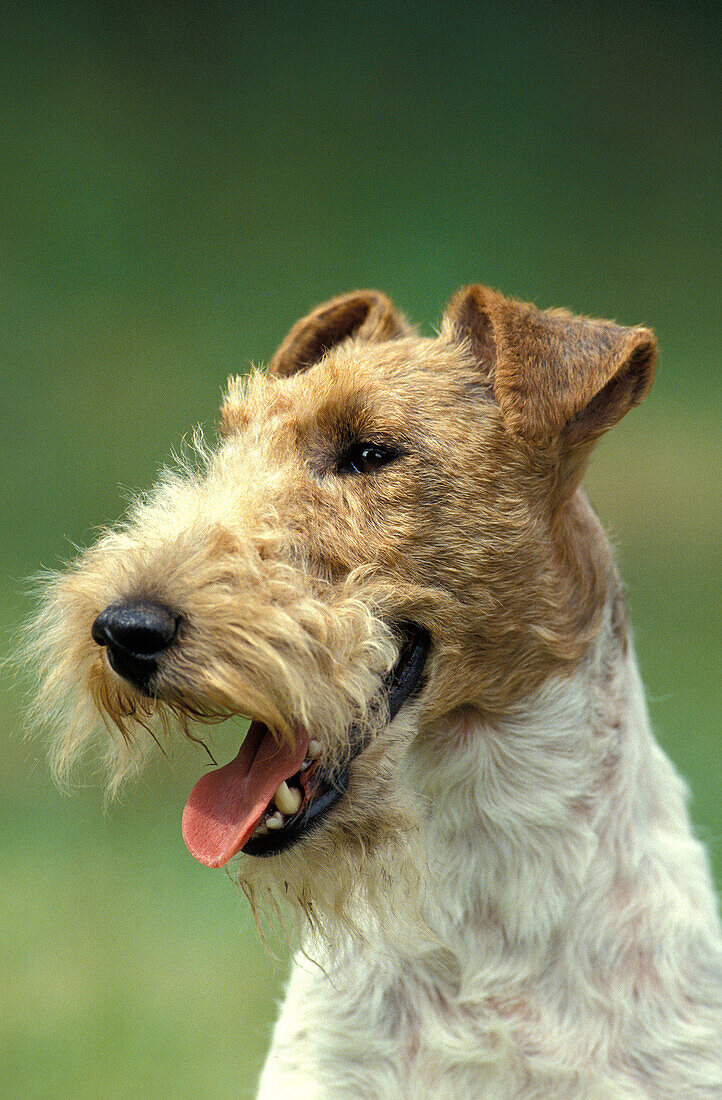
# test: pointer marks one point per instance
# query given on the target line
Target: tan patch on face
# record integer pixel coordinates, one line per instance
(459, 533)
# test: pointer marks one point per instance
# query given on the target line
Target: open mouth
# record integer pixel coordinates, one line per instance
(271, 795)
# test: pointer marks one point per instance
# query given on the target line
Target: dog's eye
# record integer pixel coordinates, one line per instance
(365, 458)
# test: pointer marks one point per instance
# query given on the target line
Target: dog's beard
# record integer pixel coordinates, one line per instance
(360, 873)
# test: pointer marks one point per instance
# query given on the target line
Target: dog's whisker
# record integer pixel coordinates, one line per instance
(199, 741)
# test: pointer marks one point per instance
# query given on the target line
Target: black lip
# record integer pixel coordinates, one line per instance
(402, 683)
(406, 677)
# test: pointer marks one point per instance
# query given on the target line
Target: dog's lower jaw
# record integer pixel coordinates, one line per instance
(336, 878)
(570, 903)
(401, 685)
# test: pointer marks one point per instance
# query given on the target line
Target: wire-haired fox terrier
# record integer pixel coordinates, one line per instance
(389, 564)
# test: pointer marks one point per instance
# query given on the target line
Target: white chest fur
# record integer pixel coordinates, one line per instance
(577, 949)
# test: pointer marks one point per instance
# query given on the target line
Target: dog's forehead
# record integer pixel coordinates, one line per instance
(411, 388)
(414, 375)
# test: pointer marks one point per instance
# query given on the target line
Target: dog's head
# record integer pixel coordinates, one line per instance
(389, 528)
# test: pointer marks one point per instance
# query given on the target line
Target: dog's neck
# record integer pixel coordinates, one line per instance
(533, 822)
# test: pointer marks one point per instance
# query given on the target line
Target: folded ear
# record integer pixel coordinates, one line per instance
(364, 314)
(554, 375)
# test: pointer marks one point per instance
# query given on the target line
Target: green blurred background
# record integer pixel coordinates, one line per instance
(179, 183)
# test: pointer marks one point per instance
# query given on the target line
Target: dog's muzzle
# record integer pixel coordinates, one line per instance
(135, 635)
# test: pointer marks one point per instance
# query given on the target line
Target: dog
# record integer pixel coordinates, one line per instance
(449, 786)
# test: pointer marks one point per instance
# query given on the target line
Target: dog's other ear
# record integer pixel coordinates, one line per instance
(554, 375)
(364, 314)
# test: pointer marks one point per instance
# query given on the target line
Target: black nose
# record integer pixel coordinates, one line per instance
(135, 634)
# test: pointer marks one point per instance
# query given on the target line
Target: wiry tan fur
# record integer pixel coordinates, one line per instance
(507, 901)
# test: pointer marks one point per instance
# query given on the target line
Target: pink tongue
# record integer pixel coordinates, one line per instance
(226, 805)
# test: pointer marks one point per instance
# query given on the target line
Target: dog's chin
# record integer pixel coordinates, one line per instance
(324, 786)
(333, 875)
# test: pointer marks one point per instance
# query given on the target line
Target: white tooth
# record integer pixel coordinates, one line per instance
(275, 821)
(288, 799)
(261, 830)
(314, 749)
